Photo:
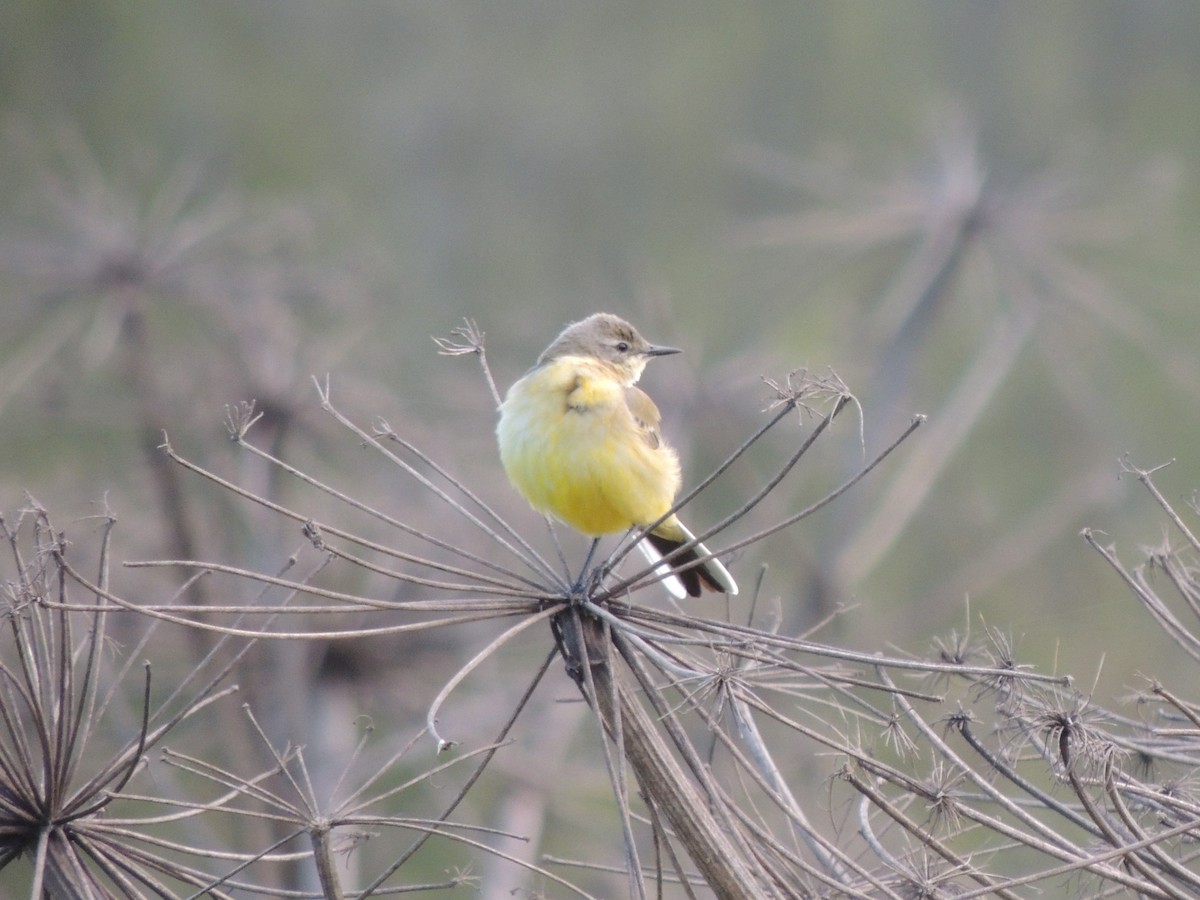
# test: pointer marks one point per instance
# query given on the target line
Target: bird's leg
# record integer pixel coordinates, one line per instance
(578, 586)
(602, 569)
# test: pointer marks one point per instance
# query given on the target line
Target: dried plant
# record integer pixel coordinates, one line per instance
(742, 761)
(965, 774)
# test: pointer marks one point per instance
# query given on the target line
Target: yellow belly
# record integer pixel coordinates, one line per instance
(590, 467)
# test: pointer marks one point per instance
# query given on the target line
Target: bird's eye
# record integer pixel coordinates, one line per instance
(622, 347)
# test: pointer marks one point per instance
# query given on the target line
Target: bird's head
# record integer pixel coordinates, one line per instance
(608, 338)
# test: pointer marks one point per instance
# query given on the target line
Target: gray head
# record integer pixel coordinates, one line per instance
(609, 338)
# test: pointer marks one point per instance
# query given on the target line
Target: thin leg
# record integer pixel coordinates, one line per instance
(586, 562)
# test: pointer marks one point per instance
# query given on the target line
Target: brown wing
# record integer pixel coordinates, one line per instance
(645, 413)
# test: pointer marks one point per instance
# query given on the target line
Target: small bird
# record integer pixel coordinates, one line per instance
(581, 443)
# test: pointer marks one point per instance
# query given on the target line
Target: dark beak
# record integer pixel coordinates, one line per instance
(655, 350)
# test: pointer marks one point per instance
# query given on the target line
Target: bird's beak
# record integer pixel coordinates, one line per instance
(655, 350)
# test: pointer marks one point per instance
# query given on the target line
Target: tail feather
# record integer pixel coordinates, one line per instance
(692, 576)
(670, 579)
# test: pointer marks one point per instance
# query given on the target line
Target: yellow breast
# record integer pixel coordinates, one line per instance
(571, 446)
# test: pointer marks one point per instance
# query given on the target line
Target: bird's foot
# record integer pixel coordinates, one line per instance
(595, 579)
(589, 583)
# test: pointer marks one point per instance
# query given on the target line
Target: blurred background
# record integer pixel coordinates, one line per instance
(983, 212)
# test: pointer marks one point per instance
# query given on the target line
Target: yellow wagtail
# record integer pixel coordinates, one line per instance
(582, 444)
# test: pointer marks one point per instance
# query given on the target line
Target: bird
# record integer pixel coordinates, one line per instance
(581, 443)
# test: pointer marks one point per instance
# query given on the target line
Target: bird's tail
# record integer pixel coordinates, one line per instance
(683, 575)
